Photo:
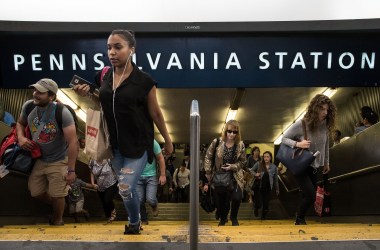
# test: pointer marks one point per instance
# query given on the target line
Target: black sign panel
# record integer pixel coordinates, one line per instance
(200, 61)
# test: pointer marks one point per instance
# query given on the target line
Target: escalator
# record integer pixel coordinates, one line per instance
(354, 179)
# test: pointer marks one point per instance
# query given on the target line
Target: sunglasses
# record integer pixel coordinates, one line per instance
(234, 132)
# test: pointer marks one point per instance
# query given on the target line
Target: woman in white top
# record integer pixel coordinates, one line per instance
(105, 182)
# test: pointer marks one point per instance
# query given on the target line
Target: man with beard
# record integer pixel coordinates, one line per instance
(54, 171)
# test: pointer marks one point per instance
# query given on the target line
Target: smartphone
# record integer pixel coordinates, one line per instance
(79, 80)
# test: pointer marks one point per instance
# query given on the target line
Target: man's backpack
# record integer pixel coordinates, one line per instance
(58, 113)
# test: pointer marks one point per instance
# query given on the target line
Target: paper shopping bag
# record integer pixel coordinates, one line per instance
(97, 137)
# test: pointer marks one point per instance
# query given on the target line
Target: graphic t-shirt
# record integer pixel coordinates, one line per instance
(51, 139)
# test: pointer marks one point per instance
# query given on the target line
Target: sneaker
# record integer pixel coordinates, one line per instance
(235, 222)
(155, 211)
(300, 221)
(133, 229)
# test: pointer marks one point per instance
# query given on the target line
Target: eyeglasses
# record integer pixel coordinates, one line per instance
(234, 132)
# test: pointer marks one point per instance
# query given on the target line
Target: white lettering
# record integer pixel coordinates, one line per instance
(35, 62)
(18, 60)
(153, 65)
(98, 61)
(316, 55)
(174, 62)
(194, 59)
(215, 60)
(352, 60)
(329, 60)
(265, 61)
(298, 61)
(76, 61)
(233, 61)
(365, 58)
(58, 63)
(281, 58)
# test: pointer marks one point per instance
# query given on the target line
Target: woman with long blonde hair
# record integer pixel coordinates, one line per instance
(230, 157)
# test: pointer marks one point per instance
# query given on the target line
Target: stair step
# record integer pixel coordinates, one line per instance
(180, 212)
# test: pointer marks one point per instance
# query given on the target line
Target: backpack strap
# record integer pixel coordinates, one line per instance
(58, 114)
(29, 108)
(104, 71)
(59, 111)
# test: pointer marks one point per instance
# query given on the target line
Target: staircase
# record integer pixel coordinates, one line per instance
(180, 212)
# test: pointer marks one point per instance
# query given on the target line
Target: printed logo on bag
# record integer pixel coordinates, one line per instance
(91, 131)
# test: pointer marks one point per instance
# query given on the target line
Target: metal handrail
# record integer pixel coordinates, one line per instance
(194, 174)
(334, 179)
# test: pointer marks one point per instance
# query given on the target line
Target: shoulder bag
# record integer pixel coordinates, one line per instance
(297, 160)
(17, 159)
(223, 178)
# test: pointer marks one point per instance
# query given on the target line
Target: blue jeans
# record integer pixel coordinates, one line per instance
(147, 190)
(128, 171)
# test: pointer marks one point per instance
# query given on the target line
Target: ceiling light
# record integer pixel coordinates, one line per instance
(231, 114)
(81, 114)
(330, 92)
(62, 97)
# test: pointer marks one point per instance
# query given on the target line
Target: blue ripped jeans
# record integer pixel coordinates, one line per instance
(147, 190)
(128, 171)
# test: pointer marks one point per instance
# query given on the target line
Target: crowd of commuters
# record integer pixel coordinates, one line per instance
(141, 171)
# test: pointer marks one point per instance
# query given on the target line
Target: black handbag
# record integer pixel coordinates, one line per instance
(207, 203)
(297, 160)
(223, 179)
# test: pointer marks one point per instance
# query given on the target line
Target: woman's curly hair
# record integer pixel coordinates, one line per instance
(315, 106)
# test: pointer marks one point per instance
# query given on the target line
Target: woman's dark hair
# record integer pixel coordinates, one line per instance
(364, 111)
(262, 167)
(254, 149)
(127, 35)
(371, 117)
(315, 106)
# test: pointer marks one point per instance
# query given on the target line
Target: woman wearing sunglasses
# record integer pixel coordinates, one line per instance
(227, 153)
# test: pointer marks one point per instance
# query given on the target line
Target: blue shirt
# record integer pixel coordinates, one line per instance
(150, 168)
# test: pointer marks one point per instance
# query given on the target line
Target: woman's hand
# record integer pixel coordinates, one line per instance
(303, 144)
(81, 89)
(226, 167)
(326, 169)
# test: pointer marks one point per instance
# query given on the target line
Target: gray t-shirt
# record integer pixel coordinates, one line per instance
(51, 139)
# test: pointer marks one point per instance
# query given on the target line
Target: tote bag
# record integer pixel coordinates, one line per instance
(97, 137)
(297, 160)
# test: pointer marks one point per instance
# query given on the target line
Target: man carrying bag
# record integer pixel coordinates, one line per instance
(54, 171)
